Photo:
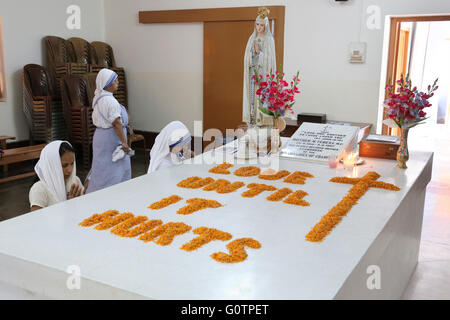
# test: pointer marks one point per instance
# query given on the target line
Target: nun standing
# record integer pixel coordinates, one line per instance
(111, 120)
(57, 176)
(171, 147)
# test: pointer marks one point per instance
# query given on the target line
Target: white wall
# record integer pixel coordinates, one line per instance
(164, 61)
(25, 23)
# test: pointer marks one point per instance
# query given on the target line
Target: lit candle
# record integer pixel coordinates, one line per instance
(350, 160)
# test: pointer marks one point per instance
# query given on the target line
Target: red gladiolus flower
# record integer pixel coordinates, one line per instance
(275, 93)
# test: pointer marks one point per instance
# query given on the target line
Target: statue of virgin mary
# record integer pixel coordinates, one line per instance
(259, 57)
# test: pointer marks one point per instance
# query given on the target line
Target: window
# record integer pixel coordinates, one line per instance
(2, 67)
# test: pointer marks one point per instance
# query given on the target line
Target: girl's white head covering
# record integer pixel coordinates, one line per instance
(174, 134)
(50, 172)
(104, 80)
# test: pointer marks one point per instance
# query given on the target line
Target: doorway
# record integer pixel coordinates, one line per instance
(420, 46)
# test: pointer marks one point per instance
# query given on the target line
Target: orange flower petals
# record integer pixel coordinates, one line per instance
(373, 184)
(237, 251)
(335, 215)
(224, 186)
(123, 229)
(345, 180)
(218, 183)
(384, 185)
(298, 177)
(187, 182)
(197, 204)
(230, 187)
(201, 183)
(279, 195)
(276, 176)
(143, 227)
(206, 235)
(97, 218)
(297, 199)
(195, 182)
(113, 221)
(165, 202)
(256, 189)
(247, 171)
(221, 169)
(166, 233)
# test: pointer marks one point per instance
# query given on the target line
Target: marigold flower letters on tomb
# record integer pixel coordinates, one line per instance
(127, 225)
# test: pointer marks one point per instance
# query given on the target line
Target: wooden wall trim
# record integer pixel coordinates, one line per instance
(423, 18)
(277, 13)
(208, 15)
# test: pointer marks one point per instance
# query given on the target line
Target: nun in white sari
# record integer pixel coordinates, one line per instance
(111, 120)
(57, 176)
(171, 146)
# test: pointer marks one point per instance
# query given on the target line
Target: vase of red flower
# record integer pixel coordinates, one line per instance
(276, 98)
(403, 153)
(276, 95)
(405, 109)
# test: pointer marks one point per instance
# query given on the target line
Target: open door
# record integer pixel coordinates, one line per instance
(400, 52)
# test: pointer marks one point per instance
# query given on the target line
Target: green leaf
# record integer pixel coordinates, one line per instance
(265, 111)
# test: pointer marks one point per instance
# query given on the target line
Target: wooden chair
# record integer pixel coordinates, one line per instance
(102, 55)
(78, 114)
(66, 57)
(57, 55)
(42, 108)
(79, 50)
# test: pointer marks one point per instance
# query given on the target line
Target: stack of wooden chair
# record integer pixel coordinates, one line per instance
(73, 65)
(78, 113)
(41, 105)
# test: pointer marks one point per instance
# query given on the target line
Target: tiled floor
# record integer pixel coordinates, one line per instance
(431, 279)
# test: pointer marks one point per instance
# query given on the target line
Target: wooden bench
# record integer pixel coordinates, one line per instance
(18, 155)
(3, 146)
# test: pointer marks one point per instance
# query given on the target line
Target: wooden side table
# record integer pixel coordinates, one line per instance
(3, 146)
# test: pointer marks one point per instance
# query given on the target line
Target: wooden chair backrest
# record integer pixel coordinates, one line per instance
(38, 80)
(102, 55)
(79, 50)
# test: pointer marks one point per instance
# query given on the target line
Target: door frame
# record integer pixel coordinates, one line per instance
(3, 91)
(394, 37)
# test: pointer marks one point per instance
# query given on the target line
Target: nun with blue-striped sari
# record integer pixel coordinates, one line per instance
(172, 146)
(111, 120)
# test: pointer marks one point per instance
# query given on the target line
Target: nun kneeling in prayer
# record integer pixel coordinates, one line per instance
(57, 175)
(110, 137)
(171, 147)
